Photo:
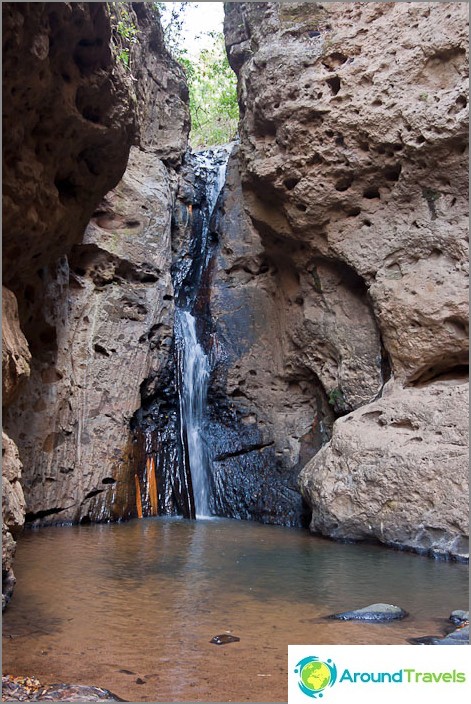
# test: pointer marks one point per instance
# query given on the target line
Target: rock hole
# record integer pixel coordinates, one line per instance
(290, 183)
(108, 480)
(371, 193)
(353, 212)
(392, 173)
(91, 114)
(301, 207)
(168, 297)
(99, 349)
(344, 183)
(334, 84)
(66, 188)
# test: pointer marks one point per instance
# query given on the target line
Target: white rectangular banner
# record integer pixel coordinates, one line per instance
(340, 674)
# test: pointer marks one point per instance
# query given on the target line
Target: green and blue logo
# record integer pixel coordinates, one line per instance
(315, 676)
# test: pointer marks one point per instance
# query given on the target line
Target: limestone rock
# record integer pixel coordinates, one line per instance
(15, 352)
(353, 157)
(13, 513)
(70, 123)
(396, 471)
(110, 306)
(96, 309)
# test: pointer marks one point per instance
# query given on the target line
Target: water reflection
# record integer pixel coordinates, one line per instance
(132, 607)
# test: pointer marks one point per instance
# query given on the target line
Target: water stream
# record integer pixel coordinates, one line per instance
(172, 459)
(132, 607)
(193, 376)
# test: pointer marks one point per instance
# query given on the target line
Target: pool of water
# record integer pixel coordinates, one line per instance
(132, 607)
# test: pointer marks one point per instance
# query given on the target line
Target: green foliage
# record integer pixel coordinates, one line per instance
(213, 95)
(212, 84)
(337, 400)
(124, 31)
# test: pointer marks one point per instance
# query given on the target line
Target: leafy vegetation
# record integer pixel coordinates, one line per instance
(213, 95)
(211, 82)
(124, 31)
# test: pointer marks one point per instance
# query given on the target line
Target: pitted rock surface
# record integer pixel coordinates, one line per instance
(353, 157)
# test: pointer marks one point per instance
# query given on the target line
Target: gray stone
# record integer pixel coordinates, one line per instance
(378, 613)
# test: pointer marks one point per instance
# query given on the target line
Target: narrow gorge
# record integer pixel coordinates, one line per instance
(273, 330)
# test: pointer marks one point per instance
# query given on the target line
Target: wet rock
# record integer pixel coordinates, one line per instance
(459, 617)
(31, 690)
(223, 639)
(460, 636)
(378, 613)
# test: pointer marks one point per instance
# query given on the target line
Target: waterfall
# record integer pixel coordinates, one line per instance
(192, 363)
(193, 376)
(173, 470)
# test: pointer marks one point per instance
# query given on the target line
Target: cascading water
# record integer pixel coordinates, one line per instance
(193, 366)
(193, 373)
(173, 465)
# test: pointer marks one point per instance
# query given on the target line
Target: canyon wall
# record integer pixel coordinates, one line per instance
(89, 306)
(354, 159)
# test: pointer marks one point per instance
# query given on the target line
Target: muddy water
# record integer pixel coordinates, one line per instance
(132, 607)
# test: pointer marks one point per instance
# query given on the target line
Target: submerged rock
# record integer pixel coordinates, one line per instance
(379, 613)
(223, 639)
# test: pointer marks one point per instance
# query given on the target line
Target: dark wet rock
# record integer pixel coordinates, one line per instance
(223, 639)
(29, 689)
(459, 617)
(379, 613)
(460, 636)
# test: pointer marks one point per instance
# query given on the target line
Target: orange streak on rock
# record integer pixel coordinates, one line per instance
(138, 497)
(152, 486)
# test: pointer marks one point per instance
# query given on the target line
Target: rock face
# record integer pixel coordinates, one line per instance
(69, 120)
(95, 308)
(269, 412)
(394, 471)
(354, 173)
(110, 303)
(15, 370)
